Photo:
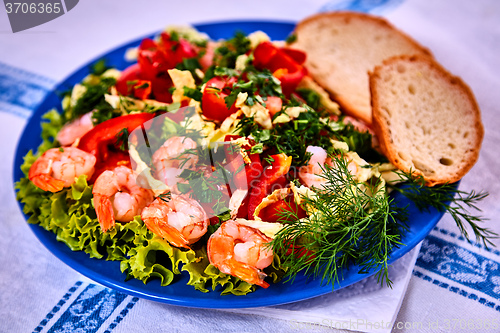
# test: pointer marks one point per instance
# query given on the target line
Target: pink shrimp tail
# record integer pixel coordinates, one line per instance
(162, 229)
(104, 211)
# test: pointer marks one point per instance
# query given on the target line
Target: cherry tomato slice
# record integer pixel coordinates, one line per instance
(213, 104)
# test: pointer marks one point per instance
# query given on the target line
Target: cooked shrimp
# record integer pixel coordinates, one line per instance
(117, 197)
(175, 155)
(240, 251)
(179, 219)
(74, 130)
(310, 174)
(59, 167)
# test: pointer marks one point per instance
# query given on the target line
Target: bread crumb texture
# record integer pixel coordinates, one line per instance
(427, 120)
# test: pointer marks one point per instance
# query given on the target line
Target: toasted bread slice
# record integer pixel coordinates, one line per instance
(427, 120)
(342, 47)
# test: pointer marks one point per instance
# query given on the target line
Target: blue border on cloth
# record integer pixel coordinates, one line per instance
(57, 307)
(365, 6)
(457, 290)
(22, 91)
(460, 265)
(122, 314)
(89, 310)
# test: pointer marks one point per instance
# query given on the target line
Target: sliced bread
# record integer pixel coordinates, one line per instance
(342, 47)
(427, 120)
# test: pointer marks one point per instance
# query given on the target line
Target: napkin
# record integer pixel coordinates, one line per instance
(366, 306)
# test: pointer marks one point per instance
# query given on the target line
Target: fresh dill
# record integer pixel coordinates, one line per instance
(447, 198)
(348, 223)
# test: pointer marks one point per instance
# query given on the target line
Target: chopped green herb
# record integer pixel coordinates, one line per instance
(99, 67)
(92, 99)
(291, 39)
(122, 139)
(193, 93)
(166, 197)
(226, 54)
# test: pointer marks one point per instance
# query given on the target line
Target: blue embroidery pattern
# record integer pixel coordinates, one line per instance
(56, 308)
(457, 290)
(122, 315)
(460, 265)
(89, 310)
(365, 6)
(21, 91)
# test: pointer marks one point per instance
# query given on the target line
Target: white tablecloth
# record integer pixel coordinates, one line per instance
(454, 286)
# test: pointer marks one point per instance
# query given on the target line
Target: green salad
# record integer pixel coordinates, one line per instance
(224, 160)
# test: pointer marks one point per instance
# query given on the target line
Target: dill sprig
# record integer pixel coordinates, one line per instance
(348, 223)
(447, 198)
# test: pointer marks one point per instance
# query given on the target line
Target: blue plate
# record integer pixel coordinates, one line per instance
(179, 293)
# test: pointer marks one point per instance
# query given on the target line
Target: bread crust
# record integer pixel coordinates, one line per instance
(348, 102)
(385, 130)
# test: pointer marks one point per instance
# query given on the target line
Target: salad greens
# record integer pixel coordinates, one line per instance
(70, 215)
(350, 220)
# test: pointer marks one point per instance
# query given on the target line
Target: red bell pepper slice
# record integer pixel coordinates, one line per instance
(131, 82)
(289, 80)
(131, 73)
(275, 211)
(284, 66)
(251, 172)
(297, 55)
(279, 167)
(244, 177)
(100, 140)
(141, 89)
(300, 251)
(155, 59)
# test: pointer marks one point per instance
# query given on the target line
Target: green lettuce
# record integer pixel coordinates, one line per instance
(70, 214)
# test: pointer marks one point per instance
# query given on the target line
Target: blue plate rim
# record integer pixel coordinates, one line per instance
(196, 299)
